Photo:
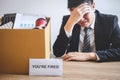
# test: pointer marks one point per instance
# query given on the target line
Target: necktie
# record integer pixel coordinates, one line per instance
(86, 43)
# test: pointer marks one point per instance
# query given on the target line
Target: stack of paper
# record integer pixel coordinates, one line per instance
(8, 25)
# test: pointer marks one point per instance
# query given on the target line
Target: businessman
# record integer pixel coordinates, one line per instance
(86, 34)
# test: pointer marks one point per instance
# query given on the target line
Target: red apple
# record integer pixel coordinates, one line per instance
(41, 23)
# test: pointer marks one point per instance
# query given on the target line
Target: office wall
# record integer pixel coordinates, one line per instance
(54, 9)
(109, 7)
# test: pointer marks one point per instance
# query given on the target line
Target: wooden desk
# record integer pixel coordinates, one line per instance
(77, 71)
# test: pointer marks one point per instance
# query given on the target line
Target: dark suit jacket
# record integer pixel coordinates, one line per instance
(107, 38)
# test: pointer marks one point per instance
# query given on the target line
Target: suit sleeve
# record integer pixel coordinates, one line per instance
(112, 54)
(62, 40)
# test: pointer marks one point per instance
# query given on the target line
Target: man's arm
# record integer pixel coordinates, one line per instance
(112, 54)
(62, 40)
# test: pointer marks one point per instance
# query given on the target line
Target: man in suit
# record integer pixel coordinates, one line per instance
(104, 34)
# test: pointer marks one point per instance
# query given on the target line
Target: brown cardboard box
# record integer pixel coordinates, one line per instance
(18, 45)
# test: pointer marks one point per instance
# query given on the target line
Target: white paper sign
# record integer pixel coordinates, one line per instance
(50, 67)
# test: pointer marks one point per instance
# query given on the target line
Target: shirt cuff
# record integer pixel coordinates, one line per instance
(68, 34)
(97, 57)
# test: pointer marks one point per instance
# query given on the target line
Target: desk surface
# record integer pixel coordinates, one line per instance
(77, 70)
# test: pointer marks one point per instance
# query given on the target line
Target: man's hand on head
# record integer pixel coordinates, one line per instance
(78, 12)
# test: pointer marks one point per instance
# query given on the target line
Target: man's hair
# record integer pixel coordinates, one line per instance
(75, 3)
